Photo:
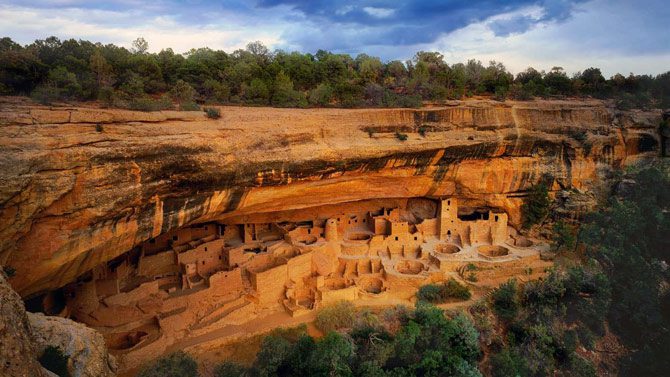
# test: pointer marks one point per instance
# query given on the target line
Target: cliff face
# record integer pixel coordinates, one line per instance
(80, 186)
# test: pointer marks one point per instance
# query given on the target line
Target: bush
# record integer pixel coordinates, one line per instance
(189, 106)
(284, 94)
(400, 136)
(230, 369)
(178, 364)
(508, 363)
(322, 95)
(563, 237)
(213, 112)
(108, 97)
(338, 316)
(441, 293)
(256, 92)
(148, 104)
(215, 91)
(182, 92)
(349, 95)
(505, 300)
(45, 94)
(54, 360)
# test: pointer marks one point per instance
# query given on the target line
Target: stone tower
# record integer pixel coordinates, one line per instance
(448, 218)
(331, 232)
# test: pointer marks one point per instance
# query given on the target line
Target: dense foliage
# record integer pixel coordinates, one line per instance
(54, 70)
(535, 206)
(548, 327)
(178, 364)
(451, 290)
(426, 343)
(629, 238)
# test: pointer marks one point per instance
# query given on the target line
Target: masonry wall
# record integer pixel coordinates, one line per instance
(158, 265)
(270, 284)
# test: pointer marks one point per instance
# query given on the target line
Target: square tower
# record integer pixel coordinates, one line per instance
(448, 218)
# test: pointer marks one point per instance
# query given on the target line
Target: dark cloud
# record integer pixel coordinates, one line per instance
(394, 23)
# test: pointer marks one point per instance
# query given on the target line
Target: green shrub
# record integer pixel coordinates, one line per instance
(45, 94)
(563, 237)
(54, 360)
(507, 363)
(189, 106)
(182, 92)
(430, 293)
(423, 129)
(505, 300)
(178, 364)
(256, 92)
(439, 293)
(400, 136)
(337, 316)
(284, 95)
(581, 367)
(215, 91)
(145, 103)
(98, 127)
(107, 97)
(230, 369)
(322, 95)
(213, 112)
(60, 84)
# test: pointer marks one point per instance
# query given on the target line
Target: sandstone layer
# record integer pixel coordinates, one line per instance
(81, 186)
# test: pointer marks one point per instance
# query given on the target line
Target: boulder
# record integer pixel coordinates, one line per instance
(85, 347)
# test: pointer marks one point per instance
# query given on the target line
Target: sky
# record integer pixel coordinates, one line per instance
(618, 36)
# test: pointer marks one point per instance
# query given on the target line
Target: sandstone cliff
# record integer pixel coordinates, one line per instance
(18, 351)
(24, 337)
(80, 186)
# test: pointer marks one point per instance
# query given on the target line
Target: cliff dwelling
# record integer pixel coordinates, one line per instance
(206, 234)
(201, 278)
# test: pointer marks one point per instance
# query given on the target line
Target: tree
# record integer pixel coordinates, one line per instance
(557, 81)
(505, 300)
(563, 237)
(140, 46)
(61, 84)
(536, 205)
(182, 92)
(256, 92)
(322, 95)
(101, 70)
(284, 95)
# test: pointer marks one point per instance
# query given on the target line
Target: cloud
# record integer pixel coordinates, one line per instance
(618, 35)
(121, 27)
(379, 12)
(613, 35)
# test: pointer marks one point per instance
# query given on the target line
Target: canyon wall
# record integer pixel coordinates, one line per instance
(80, 186)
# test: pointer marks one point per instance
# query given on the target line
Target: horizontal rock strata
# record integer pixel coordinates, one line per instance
(80, 186)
